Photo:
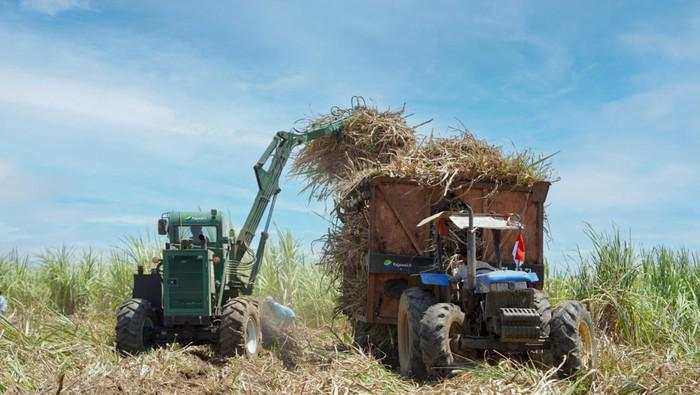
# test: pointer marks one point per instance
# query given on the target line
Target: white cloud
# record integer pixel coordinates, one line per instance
(7, 230)
(17, 185)
(74, 98)
(683, 44)
(634, 152)
(615, 184)
(6, 169)
(54, 7)
(137, 84)
(667, 108)
(121, 220)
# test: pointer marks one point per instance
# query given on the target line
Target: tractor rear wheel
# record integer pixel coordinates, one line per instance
(240, 332)
(441, 323)
(413, 303)
(572, 339)
(135, 327)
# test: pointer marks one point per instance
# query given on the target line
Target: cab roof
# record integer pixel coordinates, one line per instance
(484, 221)
(180, 218)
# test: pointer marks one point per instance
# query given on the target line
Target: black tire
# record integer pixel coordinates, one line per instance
(572, 340)
(240, 332)
(541, 304)
(413, 303)
(135, 327)
(440, 323)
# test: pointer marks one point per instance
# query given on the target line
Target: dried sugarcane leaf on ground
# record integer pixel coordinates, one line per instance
(309, 360)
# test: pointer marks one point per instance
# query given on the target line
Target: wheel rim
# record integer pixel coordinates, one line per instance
(403, 339)
(251, 336)
(454, 333)
(586, 344)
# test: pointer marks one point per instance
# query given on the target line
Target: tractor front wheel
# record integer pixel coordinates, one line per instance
(541, 304)
(572, 339)
(135, 327)
(412, 305)
(240, 332)
(441, 323)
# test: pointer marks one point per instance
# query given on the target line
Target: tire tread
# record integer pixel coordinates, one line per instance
(232, 336)
(565, 338)
(417, 301)
(131, 317)
(435, 336)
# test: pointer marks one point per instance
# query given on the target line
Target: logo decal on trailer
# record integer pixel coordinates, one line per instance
(389, 262)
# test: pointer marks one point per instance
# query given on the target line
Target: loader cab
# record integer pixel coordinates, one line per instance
(193, 229)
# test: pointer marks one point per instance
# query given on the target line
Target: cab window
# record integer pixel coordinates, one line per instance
(192, 232)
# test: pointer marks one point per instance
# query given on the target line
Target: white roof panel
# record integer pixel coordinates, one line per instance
(485, 222)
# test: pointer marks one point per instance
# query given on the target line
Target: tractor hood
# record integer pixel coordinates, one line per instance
(506, 276)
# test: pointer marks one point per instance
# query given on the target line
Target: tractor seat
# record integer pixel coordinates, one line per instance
(483, 267)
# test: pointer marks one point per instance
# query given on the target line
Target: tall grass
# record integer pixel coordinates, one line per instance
(287, 276)
(641, 297)
(62, 304)
(70, 281)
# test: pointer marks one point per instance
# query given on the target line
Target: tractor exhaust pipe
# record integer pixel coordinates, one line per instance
(471, 250)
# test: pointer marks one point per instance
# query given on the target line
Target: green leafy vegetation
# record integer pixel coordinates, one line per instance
(292, 280)
(59, 331)
(646, 298)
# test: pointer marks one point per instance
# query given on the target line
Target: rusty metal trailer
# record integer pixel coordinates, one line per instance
(398, 250)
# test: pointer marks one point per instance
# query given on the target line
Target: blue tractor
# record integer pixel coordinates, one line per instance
(465, 307)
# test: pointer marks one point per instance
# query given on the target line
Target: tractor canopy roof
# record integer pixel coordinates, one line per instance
(484, 221)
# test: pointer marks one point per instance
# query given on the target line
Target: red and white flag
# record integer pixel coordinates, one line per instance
(519, 251)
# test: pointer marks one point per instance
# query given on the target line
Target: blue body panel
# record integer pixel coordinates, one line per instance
(439, 279)
(506, 276)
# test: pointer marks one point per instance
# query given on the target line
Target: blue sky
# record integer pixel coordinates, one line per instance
(113, 112)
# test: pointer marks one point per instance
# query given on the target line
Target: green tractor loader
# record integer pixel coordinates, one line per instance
(199, 291)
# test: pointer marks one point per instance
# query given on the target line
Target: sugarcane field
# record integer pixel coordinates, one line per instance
(364, 197)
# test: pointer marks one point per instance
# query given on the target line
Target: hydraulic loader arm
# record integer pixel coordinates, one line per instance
(275, 157)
